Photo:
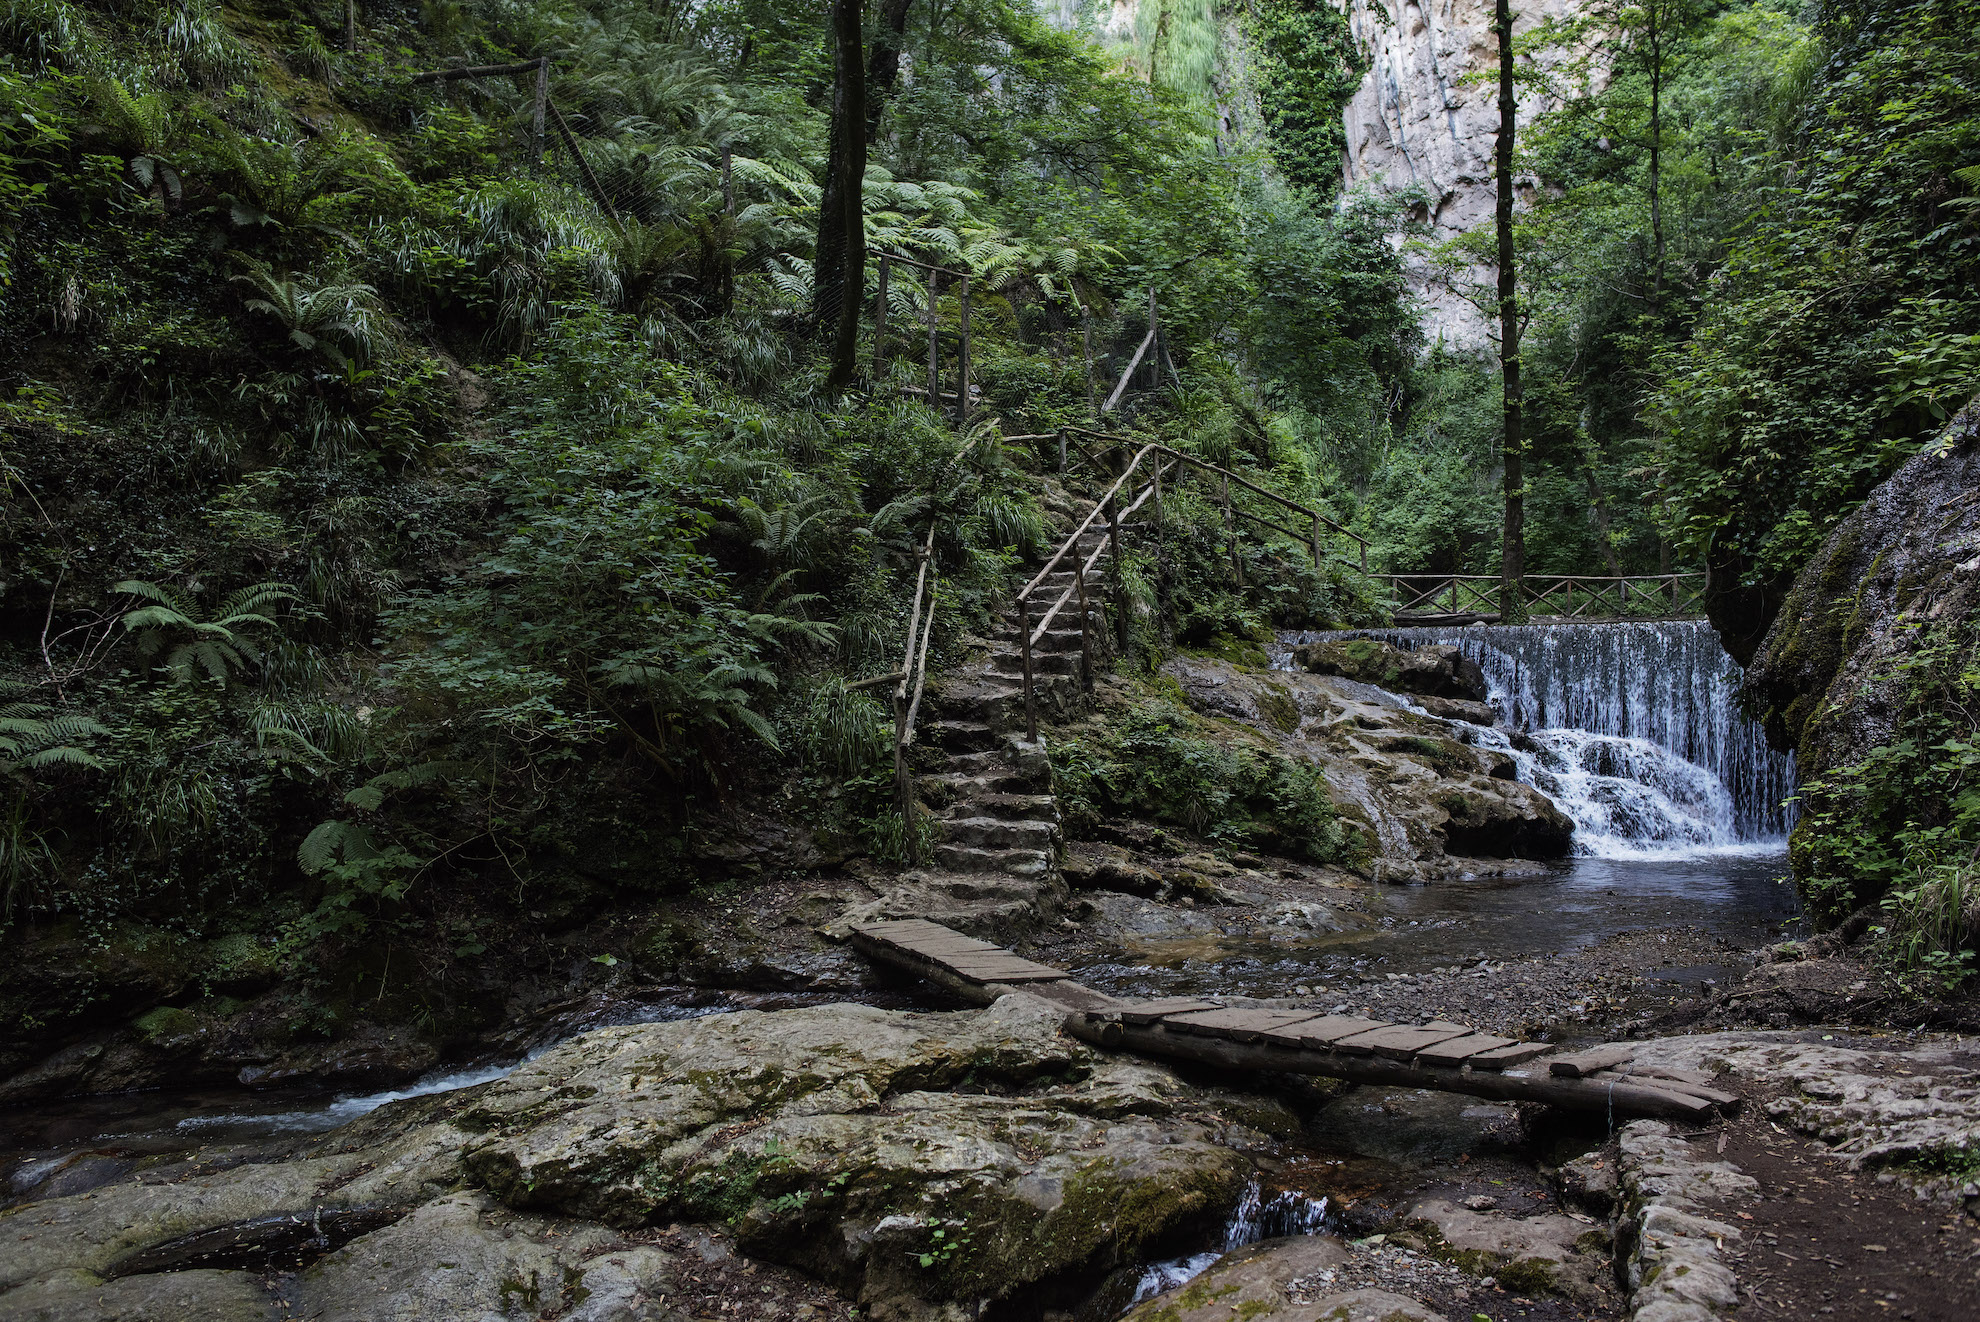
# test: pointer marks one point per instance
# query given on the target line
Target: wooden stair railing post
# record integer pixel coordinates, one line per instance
(1230, 532)
(934, 381)
(1062, 450)
(537, 110)
(1030, 700)
(903, 795)
(962, 366)
(1085, 640)
(880, 318)
(1114, 572)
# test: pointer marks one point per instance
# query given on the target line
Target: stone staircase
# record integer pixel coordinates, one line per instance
(986, 787)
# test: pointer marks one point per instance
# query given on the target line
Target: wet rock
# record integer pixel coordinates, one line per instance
(1439, 670)
(77, 1296)
(1250, 1282)
(1459, 709)
(1425, 797)
(465, 1258)
(1589, 1182)
(855, 1163)
(1526, 1254)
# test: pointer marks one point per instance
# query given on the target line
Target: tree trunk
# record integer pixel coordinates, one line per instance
(1654, 12)
(883, 65)
(1598, 501)
(839, 274)
(1512, 546)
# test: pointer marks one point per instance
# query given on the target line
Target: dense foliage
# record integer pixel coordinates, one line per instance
(408, 530)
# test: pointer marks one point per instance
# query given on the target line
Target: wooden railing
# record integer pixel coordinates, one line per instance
(1115, 517)
(1571, 596)
(1316, 523)
(912, 678)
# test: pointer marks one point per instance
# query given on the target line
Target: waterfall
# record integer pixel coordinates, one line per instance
(1632, 730)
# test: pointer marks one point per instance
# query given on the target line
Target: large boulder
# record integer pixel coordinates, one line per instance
(1426, 799)
(916, 1160)
(932, 1165)
(1438, 670)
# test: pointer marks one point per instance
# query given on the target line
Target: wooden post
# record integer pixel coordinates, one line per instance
(350, 27)
(729, 183)
(962, 368)
(1114, 566)
(1062, 447)
(1030, 700)
(1154, 340)
(879, 314)
(536, 112)
(1085, 645)
(1316, 541)
(934, 381)
(903, 798)
(1086, 342)
(1230, 530)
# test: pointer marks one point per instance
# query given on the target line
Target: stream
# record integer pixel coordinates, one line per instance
(1681, 817)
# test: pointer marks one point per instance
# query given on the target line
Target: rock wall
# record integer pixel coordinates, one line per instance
(1888, 581)
(1417, 121)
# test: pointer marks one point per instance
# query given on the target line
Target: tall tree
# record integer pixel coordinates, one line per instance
(883, 66)
(839, 272)
(1512, 542)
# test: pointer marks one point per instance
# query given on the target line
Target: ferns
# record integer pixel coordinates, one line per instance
(219, 646)
(333, 319)
(35, 736)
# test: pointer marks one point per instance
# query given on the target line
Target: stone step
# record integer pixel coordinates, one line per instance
(1010, 806)
(1011, 862)
(1011, 773)
(1042, 663)
(981, 788)
(1001, 833)
(960, 736)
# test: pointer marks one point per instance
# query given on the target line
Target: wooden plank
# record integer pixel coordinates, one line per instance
(1399, 1041)
(1698, 1078)
(1323, 1033)
(1240, 1025)
(1503, 1057)
(1452, 1051)
(1578, 1063)
(1147, 1012)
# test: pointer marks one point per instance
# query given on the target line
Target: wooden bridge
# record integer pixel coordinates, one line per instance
(1469, 598)
(1442, 1056)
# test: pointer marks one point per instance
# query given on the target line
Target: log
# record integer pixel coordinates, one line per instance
(1629, 1099)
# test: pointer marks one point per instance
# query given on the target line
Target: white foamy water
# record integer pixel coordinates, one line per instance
(1255, 1218)
(343, 1110)
(1633, 730)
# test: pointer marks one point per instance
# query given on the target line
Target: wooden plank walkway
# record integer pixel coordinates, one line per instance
(1443, 1056)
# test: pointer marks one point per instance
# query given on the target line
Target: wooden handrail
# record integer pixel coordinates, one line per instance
(1208, 467)
(1555, 591)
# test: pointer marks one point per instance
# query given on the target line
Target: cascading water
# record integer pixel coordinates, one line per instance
(1256, 1217)
(1631, 729)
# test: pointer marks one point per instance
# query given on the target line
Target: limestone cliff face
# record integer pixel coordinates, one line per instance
(1901, 569)
(1426, 114)
(1899, 575)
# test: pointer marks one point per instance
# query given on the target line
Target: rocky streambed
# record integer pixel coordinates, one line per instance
(820, 1161)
